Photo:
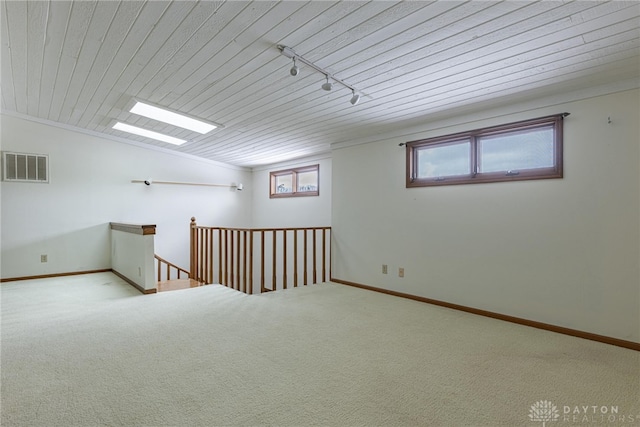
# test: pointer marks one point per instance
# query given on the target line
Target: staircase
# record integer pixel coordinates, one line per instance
(173, 279)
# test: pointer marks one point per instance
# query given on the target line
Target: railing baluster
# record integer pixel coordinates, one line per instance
(284, 259)
(219, 255)
(244, 261)
(330, 249)
(315, 263)
(211, 255)
(232, 282)
(226, 258)
(306, 262)
(201, 258)
(324, 255)
(261, 261)
(205, 276)
(250, 262)
(192, 250)
(238, 257)
(273, 262)
(295, 258)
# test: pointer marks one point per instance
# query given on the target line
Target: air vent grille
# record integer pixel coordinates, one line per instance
(25, 167)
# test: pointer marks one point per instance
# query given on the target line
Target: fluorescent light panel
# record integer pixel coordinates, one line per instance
(148, 134)
(171, 118)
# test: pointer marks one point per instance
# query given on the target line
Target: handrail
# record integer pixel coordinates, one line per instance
(169, 266)
(144, 229)
(236, 257)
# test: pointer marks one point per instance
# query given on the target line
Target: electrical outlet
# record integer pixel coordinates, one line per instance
(140, 271)
(401, 272)
(43, 258)
(384, 269)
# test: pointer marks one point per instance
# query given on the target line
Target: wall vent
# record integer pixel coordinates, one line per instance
(25, 167)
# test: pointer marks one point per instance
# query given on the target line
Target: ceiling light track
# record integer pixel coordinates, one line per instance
(291, 54)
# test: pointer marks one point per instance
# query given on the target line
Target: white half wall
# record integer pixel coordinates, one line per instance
(563, 251)
(90, 186)
(132, 257)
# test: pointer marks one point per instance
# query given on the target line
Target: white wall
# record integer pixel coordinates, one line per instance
(132, 257)
(292, 211)
(563, 251)
(68, 219)
(313, 211)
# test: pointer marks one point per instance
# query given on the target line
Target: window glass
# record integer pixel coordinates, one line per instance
(444, 160)
(516, 151)
(308, 181)
(284, 183)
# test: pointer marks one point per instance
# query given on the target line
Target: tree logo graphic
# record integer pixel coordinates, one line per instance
(544, 411)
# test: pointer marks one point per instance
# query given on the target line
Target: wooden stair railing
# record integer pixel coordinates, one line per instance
(276, 258)
(168, 266)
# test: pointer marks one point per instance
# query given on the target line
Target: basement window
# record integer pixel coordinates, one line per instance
(530, 149)
(296, 182)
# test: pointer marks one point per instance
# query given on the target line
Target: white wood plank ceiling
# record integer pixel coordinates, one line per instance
(82, 63)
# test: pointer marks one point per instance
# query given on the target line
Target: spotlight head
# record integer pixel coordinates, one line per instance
(328, 85)
(294, 70)
(147, 182)
(355, 98)
(239, 187)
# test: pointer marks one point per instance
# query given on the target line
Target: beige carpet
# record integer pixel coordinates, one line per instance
(90, 350)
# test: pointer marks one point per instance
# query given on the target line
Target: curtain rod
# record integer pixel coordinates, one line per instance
(239, 187)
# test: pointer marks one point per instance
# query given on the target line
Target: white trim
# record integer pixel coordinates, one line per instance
(122, 140)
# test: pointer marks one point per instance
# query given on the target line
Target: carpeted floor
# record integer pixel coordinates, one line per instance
(90, 350)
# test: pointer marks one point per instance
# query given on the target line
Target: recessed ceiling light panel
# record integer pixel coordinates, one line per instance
(172, 118)
(148, 134)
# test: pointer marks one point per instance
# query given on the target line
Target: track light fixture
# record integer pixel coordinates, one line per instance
(294, 70)
(355, 98)
(290, 53)
(328, 85)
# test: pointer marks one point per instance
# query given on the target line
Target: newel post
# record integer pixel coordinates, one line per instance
(193, 250)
